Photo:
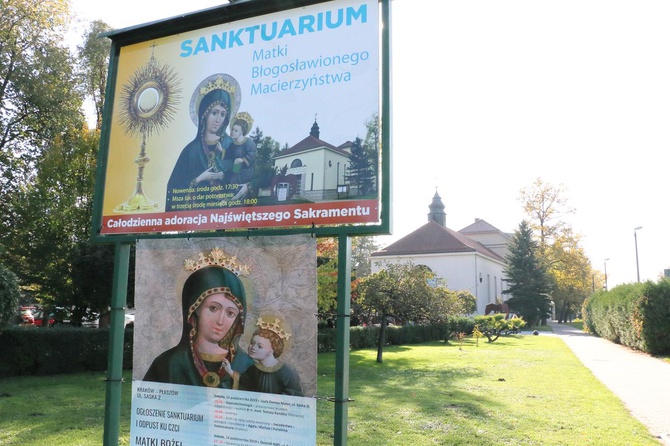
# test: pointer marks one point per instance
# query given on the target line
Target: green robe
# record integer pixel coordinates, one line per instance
(281, 379)
(176, 366)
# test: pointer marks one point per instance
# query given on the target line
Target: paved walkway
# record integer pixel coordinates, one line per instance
(639, 380)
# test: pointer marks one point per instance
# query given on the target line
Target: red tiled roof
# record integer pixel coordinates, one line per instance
(345, 145)
(478, 227)
(433, 238)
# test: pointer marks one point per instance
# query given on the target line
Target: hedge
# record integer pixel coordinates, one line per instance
(50, 351)
(636, 315)
(366, 337)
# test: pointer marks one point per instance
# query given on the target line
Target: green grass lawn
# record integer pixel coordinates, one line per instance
(579, 325)
(520, 390)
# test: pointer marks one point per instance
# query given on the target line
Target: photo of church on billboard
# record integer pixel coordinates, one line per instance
(316, 170)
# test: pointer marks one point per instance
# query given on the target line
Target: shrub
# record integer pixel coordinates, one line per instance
(608, 313)
(496, 325)
(461, 324)
(367, 337)
(9, 295)
(652, 317)
(635, 315)
(364, 337)
(33, 351)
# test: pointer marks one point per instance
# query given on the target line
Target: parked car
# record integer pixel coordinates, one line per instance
(62, 315)
(34, 315)
(130, 318)
(39, 316)
(26, 316)
(96, 320)
(91, 321)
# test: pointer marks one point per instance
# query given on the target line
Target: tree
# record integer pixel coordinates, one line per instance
(92, 272)
(359, 172)
(528, 281)
(546, 205)
(361, 248)
(268, 148)
(328, 270)
(9, 295)
(52, 215)
(38, 98)
(326, 251)
(39, 108)
(572, 275)
(47, 202)
(451, 302)
(400, 291)
(94, 65)
(372, 145)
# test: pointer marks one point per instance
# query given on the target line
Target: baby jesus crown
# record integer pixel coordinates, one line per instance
(217, 257)
(273, 327)
(243, 116)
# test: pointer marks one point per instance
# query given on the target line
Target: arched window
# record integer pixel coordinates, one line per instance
(296, 163)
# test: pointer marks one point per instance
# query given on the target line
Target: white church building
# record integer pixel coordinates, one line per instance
(472, 259)
(319, 167)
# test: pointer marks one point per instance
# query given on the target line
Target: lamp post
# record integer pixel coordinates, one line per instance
(637, 263)
(606, 273)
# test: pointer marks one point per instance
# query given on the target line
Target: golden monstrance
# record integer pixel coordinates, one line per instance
(148, 105)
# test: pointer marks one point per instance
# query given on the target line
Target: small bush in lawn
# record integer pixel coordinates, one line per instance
(496, 325)
(460, 336)
(477, 334)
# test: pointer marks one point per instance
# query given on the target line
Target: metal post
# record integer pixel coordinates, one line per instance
(115, 353)
(606, 273)
(342, 348)
(637, 262)
(386, 121)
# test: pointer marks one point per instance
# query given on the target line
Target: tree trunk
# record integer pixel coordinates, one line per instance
(382, 338)
(563, 313)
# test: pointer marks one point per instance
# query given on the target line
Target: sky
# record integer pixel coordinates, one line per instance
(489, 96)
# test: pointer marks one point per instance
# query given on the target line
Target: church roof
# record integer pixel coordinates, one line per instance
(310, 143)
(433, 238)
(480, 226)
(347, 145)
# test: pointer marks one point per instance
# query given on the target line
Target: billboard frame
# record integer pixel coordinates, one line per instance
(217, 16)
(239, 10)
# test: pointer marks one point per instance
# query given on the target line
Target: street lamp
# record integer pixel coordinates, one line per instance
(606, 273)
(637, 263)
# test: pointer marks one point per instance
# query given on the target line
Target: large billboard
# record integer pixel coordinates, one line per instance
(267, 121)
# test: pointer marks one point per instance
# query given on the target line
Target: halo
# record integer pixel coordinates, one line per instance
(267, 314)
(196, 97)
(149, 98)
(216, 257)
